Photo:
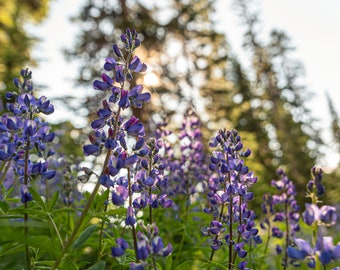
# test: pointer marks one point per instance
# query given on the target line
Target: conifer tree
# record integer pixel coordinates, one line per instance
(335, 126)
(16, 44)
(279, 100)
(179, 42)
(331, 179)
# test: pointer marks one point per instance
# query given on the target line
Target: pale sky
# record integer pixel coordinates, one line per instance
(312, 25)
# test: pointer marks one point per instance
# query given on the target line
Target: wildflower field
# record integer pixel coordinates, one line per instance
(143, 202)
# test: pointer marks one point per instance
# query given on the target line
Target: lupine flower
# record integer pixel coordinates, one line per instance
(228, 187)
(326, 215)
(151, 244)
(137, 98)
(119, 250)
(21, 130)
(139, 163)
(188, 172)
(286, 209)
(324, 249)
(133, 127)
(137, 266)
(136, 65)
(26, 196)
(110, 63)
(316, 182)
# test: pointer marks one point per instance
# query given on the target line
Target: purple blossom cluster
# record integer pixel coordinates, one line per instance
(132, 172)
(228, 198)
(149, 244)
(188, 173)
(22, 133)
(320, 250)
(286, 212)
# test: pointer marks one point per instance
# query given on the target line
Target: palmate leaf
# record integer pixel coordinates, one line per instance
(168, 262)
(53, 201)
(11, 248)
(4, 207)
(69, 264)
(184, 265)
(100, 200)
(63, 210)
(37, 198)
(204, 265)
(84, 236)
(16, 244)
(43, 243)
(98, 266)
(112, 212)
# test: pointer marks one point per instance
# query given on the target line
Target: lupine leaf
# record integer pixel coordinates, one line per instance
(53, 201)
(37, 197)
(4, 206)
(98, 266)
(69, 264)
(66, 210)
(43, 243)
(185, 265)
(84, 236)
(168, 263)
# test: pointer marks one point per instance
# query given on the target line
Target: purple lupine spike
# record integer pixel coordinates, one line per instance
(230, 183)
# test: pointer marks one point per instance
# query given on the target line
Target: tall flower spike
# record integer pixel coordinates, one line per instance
(129, 168)
(322, 250)
(188, 172)
(286, 211)
(228, 196)
(25, 131)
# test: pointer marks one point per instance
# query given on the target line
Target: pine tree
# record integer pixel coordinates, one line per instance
(279, 100)
(335, 127)
(16, 44)
(331, 178)
(179, 42)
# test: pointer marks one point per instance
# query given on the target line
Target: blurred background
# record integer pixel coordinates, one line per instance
(269, 69)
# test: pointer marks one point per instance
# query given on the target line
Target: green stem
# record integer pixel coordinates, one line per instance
(150, 189)
(100, 243)
(266, 247)
(287, 237)
(82, 216)
(220, 216)
(315, 235)
(3, 175)
(185, 221)
(27, 248)
(239, 235)
(56, 229)
(230, 265)
(134, 235)
(150, 207)
(154, 263)
(101, 231)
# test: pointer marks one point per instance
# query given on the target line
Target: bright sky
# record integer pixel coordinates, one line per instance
(312, 25)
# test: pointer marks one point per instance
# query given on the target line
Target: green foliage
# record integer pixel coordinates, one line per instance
(16, 44)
